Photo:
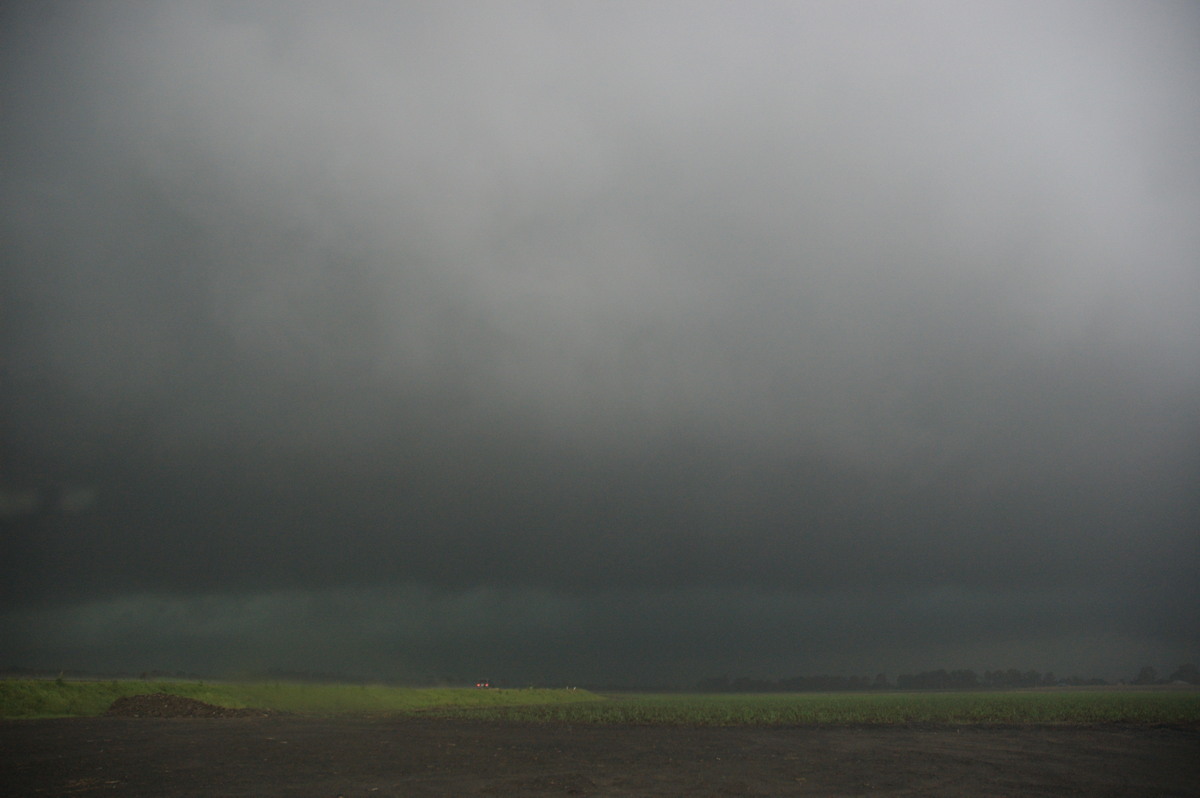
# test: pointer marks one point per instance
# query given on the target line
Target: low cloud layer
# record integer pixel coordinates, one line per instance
(394, 338)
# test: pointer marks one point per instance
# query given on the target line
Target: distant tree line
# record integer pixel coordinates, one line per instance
(969, 679)
(941, 679)
(1187, 673)
(795, 684)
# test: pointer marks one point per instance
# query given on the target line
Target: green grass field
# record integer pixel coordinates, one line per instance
(37, 698)
(31, 698)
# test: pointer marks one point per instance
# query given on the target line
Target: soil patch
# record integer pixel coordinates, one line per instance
(165, 705)
(286, 755)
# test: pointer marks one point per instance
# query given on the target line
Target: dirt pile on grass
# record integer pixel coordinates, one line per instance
(165, 705)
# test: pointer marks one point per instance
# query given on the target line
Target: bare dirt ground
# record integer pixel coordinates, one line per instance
(266, 756)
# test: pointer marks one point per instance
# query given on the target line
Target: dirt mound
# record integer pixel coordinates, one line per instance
(165, 705)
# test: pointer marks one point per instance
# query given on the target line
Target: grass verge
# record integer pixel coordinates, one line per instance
(37, 698)
(34, 698)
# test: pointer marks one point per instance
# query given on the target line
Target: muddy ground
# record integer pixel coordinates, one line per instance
(376, 757)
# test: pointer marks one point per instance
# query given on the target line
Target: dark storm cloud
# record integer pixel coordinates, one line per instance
(676, 330)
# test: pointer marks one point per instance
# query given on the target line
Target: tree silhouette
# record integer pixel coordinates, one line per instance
(1147, 675)
(1187, 672)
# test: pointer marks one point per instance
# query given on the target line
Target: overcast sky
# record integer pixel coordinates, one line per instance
(614, 342)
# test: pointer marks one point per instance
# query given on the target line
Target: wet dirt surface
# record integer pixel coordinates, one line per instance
(166, 705)
(374, 757)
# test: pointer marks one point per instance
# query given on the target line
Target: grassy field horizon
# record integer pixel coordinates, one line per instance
(42, 698)
(45, 698)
